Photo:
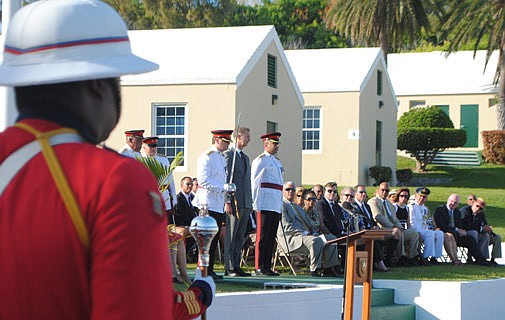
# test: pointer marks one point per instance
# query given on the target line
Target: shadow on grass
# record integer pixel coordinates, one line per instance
(485, 176)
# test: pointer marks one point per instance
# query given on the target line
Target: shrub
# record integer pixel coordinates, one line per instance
(403, 176)
(424, 132)
(494, 146)
(425, 117)
(381, 174)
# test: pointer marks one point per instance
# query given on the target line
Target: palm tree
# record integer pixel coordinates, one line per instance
(389, 24)
(481, 22)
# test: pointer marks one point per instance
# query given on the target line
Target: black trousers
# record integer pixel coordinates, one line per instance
(213, 245)
(267, 234)
(470, 243)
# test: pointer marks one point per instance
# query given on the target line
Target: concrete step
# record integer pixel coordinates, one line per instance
(384, 307)
(457, 158)
(393, 312)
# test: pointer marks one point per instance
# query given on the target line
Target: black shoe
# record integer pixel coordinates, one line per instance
(231, 273)
(241, 273)
(493, 262)
(328, 272)
(486, 263)
(272, 273)
(434, 261)
(422, 261)
(314, 274)
(214, 276)
(403, 262)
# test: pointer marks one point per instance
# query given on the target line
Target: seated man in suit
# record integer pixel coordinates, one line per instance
(474, 219)
(184, 213)
(328, 208)
(296, 235)
(448, 219)
(384, 214)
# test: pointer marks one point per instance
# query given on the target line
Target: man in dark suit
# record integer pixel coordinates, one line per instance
(237, 206)
(183, 214)
(474, 219)
(328, 208)
(448, 219)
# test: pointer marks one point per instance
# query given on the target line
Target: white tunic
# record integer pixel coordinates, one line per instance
(129, 152)
(211, 175)
(266, 183)
(433, 239)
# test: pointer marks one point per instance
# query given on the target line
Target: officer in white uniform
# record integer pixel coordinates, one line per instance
(211, 174)
(133, 143)
(149, 148)
(266, 184)
(418, 216)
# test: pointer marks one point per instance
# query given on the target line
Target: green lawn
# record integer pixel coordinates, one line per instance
(486, 181)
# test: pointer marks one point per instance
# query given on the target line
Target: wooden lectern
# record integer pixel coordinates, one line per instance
(359, 267)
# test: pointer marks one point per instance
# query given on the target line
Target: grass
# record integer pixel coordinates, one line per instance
(486, 181)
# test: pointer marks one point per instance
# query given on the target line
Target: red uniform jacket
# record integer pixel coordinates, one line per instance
(46, 273)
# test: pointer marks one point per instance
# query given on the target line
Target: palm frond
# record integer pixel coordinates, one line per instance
(161, 172)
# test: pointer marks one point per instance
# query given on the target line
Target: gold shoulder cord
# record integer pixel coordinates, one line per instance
(60, 179)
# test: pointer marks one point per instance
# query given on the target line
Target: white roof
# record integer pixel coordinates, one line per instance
(333, 70)
(428, 73)
(198, 55)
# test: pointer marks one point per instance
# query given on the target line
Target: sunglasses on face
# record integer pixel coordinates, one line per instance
(348, 195)
(384, 190)
(299, 195)
(311, 199)
(331, 190)
(361, 191)
(403, 196)
(290, 189)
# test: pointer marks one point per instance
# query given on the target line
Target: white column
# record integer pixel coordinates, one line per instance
(8, 111)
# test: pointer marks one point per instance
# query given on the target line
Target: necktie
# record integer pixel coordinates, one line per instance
(191, 197)
(386, 207)
(243, 158)
(332, 207)
(451, 218)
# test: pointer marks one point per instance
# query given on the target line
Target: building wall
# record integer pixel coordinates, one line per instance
(370, 111)
(209, 107)
(337, 159)
(254, 102)
(487, 113)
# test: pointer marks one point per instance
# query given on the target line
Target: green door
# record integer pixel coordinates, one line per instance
(470, 123)
(444, 108)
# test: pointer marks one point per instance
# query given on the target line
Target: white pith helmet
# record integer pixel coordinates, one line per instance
(54, 41)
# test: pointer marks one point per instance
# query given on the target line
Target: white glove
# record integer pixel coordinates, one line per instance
(207, 279)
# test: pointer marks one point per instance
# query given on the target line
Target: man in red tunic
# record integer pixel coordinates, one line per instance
(82, 229)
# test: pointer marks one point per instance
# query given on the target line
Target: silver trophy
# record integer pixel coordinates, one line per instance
(203, 228)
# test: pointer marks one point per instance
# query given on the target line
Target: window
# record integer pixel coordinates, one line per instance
(378, 143)
(170, 128)
(311, 130)
(379, 83)
(272, 71)
(271, 126)
(416, 103)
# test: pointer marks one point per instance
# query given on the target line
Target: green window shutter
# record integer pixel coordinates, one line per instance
(379, 83)
(272, 71)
